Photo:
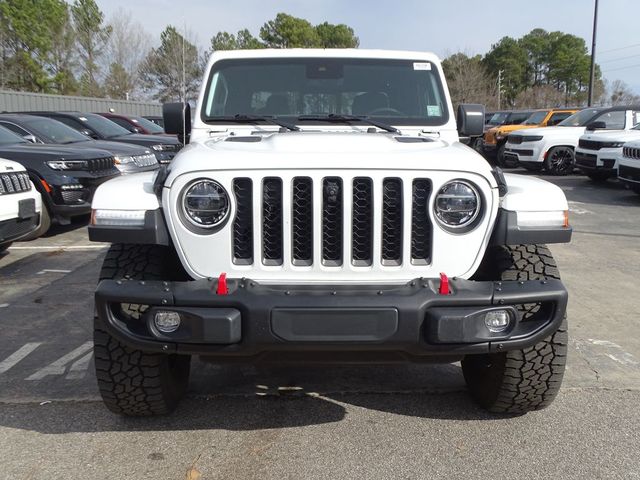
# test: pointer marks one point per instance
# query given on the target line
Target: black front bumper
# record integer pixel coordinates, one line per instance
(370, 323)
(16, 228)
(588, 163)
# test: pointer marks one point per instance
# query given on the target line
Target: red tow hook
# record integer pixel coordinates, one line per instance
(222, 289)
(444, 285)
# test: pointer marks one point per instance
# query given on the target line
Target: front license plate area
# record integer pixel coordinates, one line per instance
(26, 208)
(334, 324)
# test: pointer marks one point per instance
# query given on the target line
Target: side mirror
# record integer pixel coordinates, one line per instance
(30, 138)
(470, 120)
(596, 126)
(177, 120)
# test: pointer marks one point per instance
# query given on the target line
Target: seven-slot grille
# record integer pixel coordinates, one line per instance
(631, 152)
(14, 182)
(100, 164)
(590, 144)
(345, 231)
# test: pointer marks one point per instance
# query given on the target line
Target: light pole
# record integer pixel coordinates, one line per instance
(593, 55)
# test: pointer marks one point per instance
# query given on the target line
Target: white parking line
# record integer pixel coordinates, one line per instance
(18, 355)
(60, 247)
(60, 366)
(46, 270)
(79, 368)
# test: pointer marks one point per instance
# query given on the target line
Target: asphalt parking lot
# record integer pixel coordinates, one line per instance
(404, 421)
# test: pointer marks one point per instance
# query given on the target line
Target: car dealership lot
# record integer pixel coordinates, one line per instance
(405, 421)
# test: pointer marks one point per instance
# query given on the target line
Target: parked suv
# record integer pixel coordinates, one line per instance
(20, 204)
(129, 158)
(598, 152)
(495, 138)
(97, 127)
(629, 166)
(489, 143)
(553, 148)
(134, 124)
(65, 176)
(325, 210)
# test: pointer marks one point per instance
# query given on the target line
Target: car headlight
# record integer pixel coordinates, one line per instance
(67, 164)
(123, 159)
(612, 144)
(162, 148)
(145, 160)
(457, 205)
(532, 138)
(205, 204)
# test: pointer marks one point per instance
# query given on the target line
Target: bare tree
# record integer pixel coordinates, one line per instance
(540, 96)
(127, 48)
(469, 81)
(619, 93)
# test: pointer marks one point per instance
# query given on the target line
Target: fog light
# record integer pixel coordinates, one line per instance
(497, 320)
(167, 322)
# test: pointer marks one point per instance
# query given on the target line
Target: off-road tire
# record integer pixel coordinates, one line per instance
(560, 161)
(133, 382)
(501, 161)
(518, 381)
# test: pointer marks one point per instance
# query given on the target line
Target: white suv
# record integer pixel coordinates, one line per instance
(629, 166)
(324, 210)
(20, 203)
(598, 152)
(552, 148)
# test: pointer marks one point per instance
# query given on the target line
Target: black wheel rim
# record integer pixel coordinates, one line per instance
(561, 160)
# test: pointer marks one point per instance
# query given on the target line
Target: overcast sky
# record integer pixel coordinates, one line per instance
(441, 26)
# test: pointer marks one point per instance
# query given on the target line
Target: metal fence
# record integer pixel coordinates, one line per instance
(26, 101)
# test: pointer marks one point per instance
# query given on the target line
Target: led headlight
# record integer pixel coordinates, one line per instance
(457, 204)
(532, 138)
(612, 144)
(123, 159)
(67, 164)
(205, 204)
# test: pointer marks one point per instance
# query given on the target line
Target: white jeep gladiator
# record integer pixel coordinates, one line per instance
(324, 209)
(20, 204)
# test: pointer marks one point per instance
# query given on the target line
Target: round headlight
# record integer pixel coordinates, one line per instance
(206, 204)
(457, 204)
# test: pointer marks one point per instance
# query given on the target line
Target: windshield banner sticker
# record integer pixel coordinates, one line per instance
(421, 65)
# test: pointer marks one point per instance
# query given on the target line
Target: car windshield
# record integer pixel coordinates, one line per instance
(55, 132)
(105, 128)
(398, 92)
(147, 124)
(579, 119)
(7, 137)
(498, 118)
(536, 118)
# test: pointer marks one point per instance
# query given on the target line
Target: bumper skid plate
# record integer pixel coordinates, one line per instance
(412, 320)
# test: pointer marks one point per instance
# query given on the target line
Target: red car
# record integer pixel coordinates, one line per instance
(135, 124)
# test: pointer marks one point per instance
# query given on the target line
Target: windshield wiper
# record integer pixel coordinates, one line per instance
(335, 117)
(245, 118)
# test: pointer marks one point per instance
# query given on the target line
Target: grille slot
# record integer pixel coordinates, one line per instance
(631, 152)
(332, 227)
(392, 221)
(14, 182)
(243, 223)
(302, 221)
(272, 221)
(420, 224)
(362, 222)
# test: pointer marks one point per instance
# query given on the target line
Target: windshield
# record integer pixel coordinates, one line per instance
(536, 118)
(498, 118)
(7, 137)
(147, 125)
(55, 132)
(400, 92)
(105, 128)
(579, 119)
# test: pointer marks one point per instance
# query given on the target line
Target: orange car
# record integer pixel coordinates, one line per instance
(496, 137)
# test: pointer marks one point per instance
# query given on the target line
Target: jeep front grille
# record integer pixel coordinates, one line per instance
(335, 215)
(631, 152)
(14, 182)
